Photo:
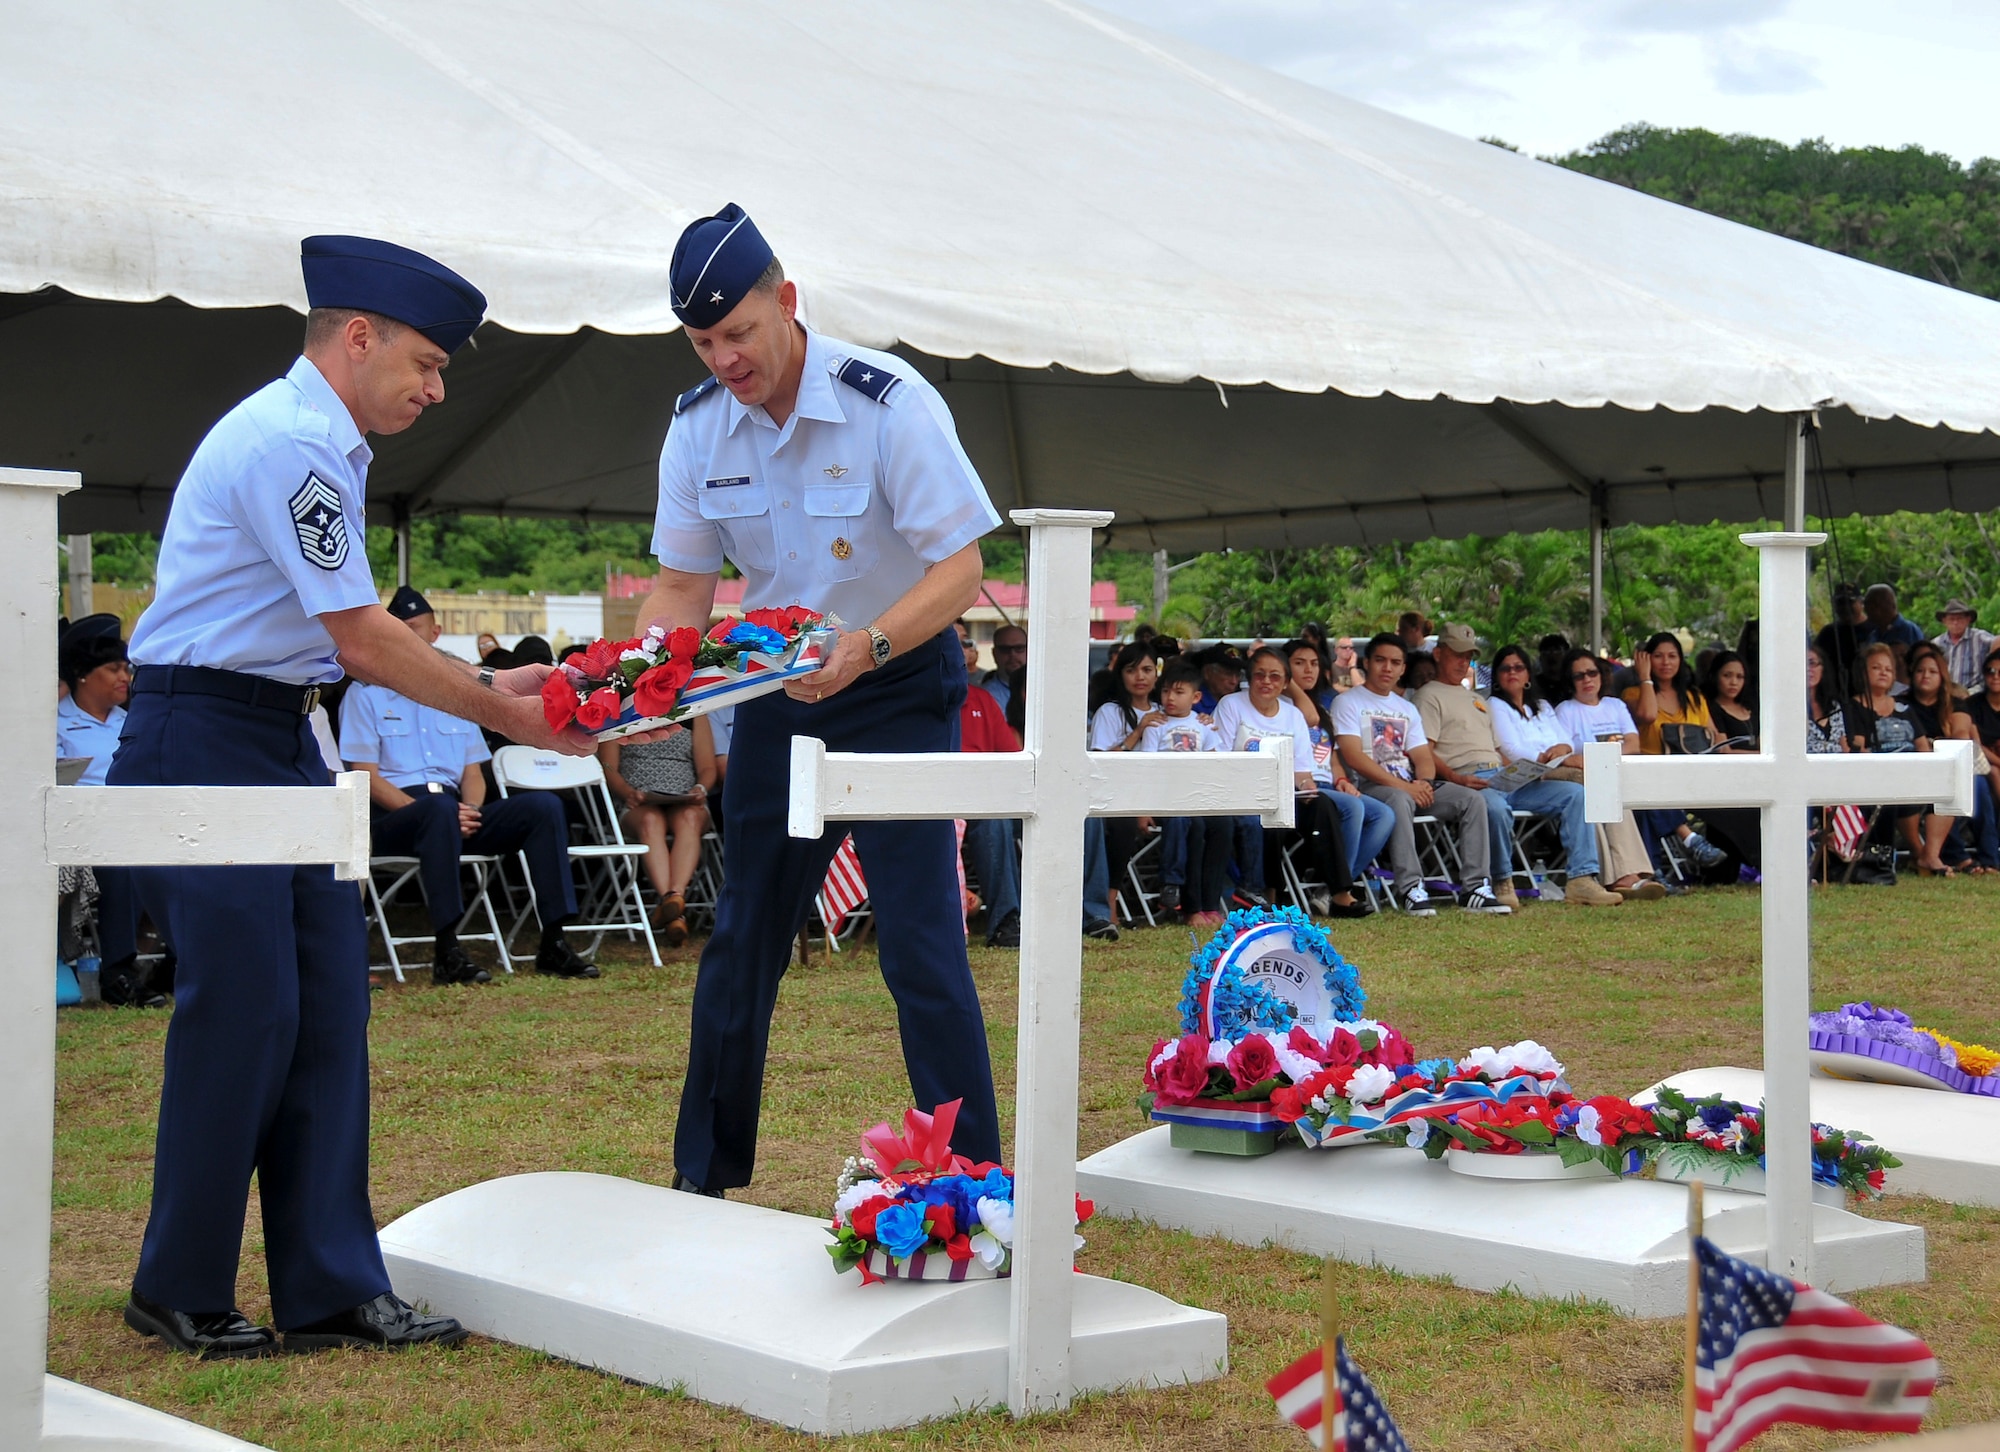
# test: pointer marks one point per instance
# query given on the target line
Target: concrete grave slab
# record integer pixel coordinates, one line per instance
(81, 1419)
(1623, 1242)
(739, 1305)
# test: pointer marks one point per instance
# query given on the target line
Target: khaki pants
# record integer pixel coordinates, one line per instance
(1621, 851)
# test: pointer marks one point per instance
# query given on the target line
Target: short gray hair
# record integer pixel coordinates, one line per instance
(323, 324)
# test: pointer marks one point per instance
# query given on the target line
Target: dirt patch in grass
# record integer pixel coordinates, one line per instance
(533, 1074)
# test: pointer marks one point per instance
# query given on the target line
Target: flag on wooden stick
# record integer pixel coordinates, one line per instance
(845, 888)
(1360, 1422)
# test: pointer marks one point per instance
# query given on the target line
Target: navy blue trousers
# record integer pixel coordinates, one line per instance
(531, 822)
(267, 1052)
(117, 913)
(769, 879)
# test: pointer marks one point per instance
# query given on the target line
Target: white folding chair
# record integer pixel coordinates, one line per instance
(402, 871)
(1146, 855)
(610, 900)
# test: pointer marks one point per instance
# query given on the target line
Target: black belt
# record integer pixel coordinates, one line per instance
(186, 680)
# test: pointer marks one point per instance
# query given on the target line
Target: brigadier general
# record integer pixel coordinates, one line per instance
(264, 595)
(832, 477)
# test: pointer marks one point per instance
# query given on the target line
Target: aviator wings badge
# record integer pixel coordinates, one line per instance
(836, 471)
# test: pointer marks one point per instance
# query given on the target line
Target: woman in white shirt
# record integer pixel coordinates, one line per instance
(1586, 716)
(1250, 717)
(1119, 724)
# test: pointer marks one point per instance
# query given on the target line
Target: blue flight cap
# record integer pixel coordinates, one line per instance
(380, 277)
(716, 263)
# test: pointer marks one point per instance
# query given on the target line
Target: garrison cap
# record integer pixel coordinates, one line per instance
(407, 604)
(716, 263)
(380, 277)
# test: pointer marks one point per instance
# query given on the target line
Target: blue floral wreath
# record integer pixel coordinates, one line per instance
(1246, 1006)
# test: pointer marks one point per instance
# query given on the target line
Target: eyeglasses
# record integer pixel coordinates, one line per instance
(1020, 649)
(1510, 668)
(1584, 675)
(1992, 670)
(1278, 676)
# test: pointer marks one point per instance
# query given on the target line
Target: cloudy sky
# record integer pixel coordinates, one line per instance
(1554, 75)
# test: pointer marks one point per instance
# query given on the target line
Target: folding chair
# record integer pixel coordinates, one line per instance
(704, 889)
(1148, 853)
(405, 870)
(610, 900)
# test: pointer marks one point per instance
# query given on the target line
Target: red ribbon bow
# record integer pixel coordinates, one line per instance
(924, 1146)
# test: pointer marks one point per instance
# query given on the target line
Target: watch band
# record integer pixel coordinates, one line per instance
(486, 677)
(879, 648)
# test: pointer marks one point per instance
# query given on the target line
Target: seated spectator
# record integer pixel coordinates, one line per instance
(1347, 672)
(90, 659)
(1096, 869)
(486, 643)
(989, 841)
(1625, 866)
(1222, 670)
(1414, 631)
(1010, 656)
(1550, 651)
(1672, 717)
(1878, 721)
(1983, 712)
(1464, 736)
(1937, 717)
(1826, 723)
(427, 799)
(1725, 685)
(533, 650)
(1365, 823)
(1246, 720)
(1887, 625)
(1121, 710)
(1194, 851)
(664, 789)
(1381, 740)
(1840, 639)
(1419, 670)
(1964, 648)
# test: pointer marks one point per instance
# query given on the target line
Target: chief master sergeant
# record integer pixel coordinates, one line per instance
(264, 595)
(833, 478)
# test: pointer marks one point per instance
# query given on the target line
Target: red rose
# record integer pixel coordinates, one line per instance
(1874, 1179)
(1392, 1052)
(599, 710)
(1288, 1103)
(600, 661)
(656, 690)
(1252, 1061)
(1305, 1045)
(722, 627)
(1335, 1079)
(862, 1216)
(1084, 1209)
(1482, 1121)
(1152, 1074)
(558, 701)
(942, 1222)
(683, 643)
(1185, 1075)
(777, 620)
(959, 1247)
(1342, 1048)
(797, 617)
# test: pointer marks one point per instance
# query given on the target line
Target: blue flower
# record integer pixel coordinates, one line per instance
(960, 1192)
(998, 1185)
(901, 1231)
(1826, 1170)
(757, 637)
(1718, 1117)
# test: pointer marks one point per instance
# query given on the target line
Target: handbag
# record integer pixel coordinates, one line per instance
(660, 768)
(1873, 866)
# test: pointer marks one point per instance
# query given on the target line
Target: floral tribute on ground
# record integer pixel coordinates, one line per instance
(1892, 1038)
(1714, 1134)
(618, 687)
(908, 1208)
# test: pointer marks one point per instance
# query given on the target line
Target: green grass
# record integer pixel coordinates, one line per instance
(532, 1075)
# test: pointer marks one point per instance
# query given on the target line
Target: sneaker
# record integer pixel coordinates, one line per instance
(1320, 902)
(1243, 897)
(1504, 891)
(1101, 928)
(1482, 900)
(1646, 889)
(1417, 903)
(1170, 898)
(1587, 891)
(1007, 934)
(1705, 853)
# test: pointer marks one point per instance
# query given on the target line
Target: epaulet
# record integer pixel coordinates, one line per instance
(695, 395)
(865, 377)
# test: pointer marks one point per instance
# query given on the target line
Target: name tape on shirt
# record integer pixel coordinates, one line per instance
(734, 481)
(320, 523)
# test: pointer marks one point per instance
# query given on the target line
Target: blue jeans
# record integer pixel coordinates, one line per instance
(990, 845)
(1985, 827)
(1096, 872)
(1365, 825)
(1562, 800)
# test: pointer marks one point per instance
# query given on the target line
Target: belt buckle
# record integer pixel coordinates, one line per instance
(310, 701)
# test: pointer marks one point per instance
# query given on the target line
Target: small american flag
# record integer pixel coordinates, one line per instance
(1847, 829)
(845, 888)
(1360, 1422)
(1772, 1350)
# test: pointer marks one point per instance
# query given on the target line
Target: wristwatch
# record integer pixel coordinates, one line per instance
(879, 649)
(486, 677)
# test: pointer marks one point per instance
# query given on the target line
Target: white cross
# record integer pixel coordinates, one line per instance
(1782, 781)
(1054, 784)
(43, 825)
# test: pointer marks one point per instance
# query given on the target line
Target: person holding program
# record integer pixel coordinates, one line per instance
(832, 477)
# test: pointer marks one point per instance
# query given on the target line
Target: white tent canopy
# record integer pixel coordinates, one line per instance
(1233, 307)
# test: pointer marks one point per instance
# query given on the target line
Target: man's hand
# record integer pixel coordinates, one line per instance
(468, 819)
(520, 718)
(1470, 783)
(850, 659)
(1556, 753)
(1421, 792)
(1343, 784)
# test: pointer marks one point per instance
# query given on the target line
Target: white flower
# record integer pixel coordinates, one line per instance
(1482, 1061)
(997, 1216)
(1320, 1106)
(656, 632)
(1218, 1051)
(1166, 1054)
(1420, 1130)
(853, 1195)
(992, 1254)
(1297, 1066)
(645, 655)
(1370, 1083)
(1586, 1127)
(1529, 1057)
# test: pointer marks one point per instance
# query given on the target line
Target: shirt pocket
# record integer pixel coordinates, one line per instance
(743, 511)
(838, 531)
(401, 752)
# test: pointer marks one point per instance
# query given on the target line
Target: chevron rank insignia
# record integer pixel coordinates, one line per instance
(320, 523)
(869, 378)
(694, 395)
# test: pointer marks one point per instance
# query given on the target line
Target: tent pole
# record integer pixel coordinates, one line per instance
(1798, 428)
(1597, 523)
(80, 577)
(402, 543)
(1160, 573)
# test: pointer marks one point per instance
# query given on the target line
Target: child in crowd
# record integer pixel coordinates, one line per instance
(1200, 842)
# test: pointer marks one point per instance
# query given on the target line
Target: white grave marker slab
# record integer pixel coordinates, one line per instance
(1065, 1333)
(1623, 1242)
(1781, 781)
(43, 826)
(1949, 1143)
(739, 1305)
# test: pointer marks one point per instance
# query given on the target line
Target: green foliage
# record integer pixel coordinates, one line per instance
(1918, 211)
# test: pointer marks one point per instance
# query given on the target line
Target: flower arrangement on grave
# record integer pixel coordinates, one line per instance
(1894, 1040)
(1508, 1101)
(908, 1208)
(1722, 1135)
(617, 687)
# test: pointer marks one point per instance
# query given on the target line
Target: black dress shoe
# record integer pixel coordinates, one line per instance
(1007, 934)
(124, 985)
(1359, 908)
(682, 1182)
(210, 1335)
(563, 961)
(387, 1323)
(455, 965)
